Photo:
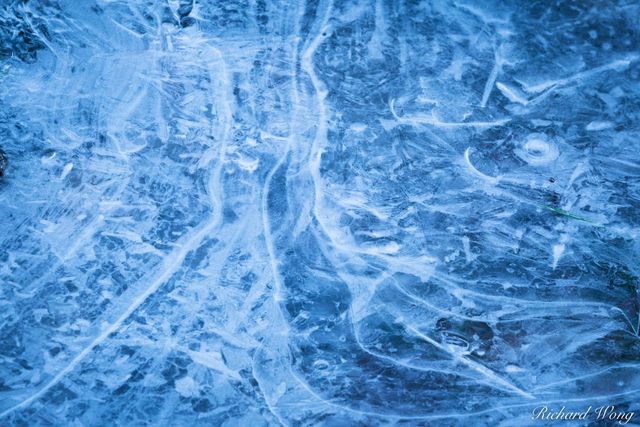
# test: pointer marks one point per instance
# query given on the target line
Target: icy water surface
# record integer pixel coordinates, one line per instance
(348, 213)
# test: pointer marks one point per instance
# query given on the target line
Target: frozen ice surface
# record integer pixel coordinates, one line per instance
(332, 213)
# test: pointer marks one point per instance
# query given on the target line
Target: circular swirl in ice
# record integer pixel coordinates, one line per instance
(538, 150)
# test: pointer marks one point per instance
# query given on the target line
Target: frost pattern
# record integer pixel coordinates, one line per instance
(248, 213)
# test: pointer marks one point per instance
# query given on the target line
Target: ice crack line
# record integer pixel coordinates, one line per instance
(321, 133)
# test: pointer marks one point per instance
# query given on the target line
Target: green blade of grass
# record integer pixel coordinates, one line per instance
(569, 215)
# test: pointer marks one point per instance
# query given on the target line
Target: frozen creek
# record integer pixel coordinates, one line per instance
(321, 213)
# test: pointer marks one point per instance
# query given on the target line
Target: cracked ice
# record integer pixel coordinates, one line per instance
(303, 213)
